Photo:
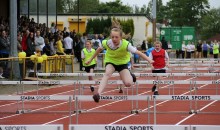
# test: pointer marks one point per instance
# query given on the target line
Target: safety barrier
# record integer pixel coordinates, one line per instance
(29, 66)
(32, 127)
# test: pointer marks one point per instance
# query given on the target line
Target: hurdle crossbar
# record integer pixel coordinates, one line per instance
(35, 97)
(112, 97)
(56, 82)
(129, 127)
(9, 82)
(186, 97)
(136, 74)
(32, 127)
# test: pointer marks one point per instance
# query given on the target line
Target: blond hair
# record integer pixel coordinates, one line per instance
(116, 27)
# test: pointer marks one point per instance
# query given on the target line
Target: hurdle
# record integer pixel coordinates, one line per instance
(23, 98)
(172, 75)
(142, 127)
(32, 127)
(154, 99)
(116, 98)
(185, 98)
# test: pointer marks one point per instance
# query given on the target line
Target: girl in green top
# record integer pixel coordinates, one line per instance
(116, 58)
(86, 54)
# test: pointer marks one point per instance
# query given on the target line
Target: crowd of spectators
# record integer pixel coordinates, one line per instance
(34, 38)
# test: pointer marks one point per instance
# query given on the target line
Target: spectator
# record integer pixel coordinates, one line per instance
(211, 49)
(144, 45)
(83, 40)
(188, 50)
(96, 42)
(39, 42)
(4, 52)
(68, 44)
(216, 49)
(183, 49)
(205, 48)
(30, 50)
(24, 40)
(52, 47)
(193, 50)
(60, 49)
(199, 49)
(164, 43)
(46, 49)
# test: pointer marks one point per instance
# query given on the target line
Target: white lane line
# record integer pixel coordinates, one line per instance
(194, 113)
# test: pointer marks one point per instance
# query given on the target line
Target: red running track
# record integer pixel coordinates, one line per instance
(117, 112)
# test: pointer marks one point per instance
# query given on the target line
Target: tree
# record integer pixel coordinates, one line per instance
(210, 24)
(114, 7)
(186, 12)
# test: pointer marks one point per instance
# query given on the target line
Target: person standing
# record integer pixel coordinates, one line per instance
(68, 44)
(86, 54)
(164, 43)
(161, 61)
(205, 48)
(211, 49)
(199, 49)
(215, 49)
(116, 58)
(39, 42)
(188, 50)
(183, 49)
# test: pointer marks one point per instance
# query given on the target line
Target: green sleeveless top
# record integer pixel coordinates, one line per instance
(88, 55)
(118, 56)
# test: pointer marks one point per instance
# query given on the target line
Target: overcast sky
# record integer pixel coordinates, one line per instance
(140, 3)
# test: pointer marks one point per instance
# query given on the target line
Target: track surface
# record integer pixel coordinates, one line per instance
(118, 112)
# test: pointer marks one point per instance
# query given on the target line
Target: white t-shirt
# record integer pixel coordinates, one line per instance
(68, 43)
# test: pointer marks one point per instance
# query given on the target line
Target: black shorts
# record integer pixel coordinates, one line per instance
(159, 71)
(87, 68)
(118, 67)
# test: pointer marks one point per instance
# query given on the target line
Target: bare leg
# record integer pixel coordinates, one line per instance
(91, 78)
(109, 70)
(126, 77)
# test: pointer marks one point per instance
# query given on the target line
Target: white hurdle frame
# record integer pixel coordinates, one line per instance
(142, 127)
(79, 98)
(23, 98)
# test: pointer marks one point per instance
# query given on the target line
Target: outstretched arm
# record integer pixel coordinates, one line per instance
(144, 56)
(95, 55)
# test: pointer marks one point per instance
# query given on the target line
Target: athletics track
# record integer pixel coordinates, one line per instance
(107, 112)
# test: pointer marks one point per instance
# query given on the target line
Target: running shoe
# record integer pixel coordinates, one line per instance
(154, 88)
(120, 90)
(92, 88)
(96, 97)
(134, 77)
